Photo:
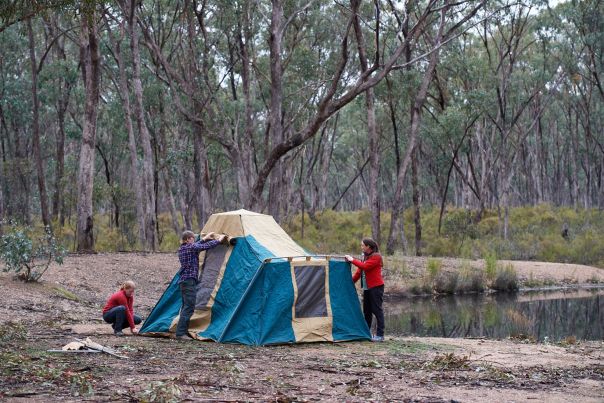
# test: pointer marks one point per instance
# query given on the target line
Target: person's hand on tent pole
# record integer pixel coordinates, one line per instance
(134, 331)
(223, 238)
(208, 236)
(349, 258)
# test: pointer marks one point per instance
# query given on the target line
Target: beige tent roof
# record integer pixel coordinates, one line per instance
(262, 227)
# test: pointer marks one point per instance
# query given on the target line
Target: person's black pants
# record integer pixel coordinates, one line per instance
(117, 317)
(188, 290)
(373, 299)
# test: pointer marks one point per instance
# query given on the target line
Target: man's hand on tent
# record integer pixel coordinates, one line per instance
(223, 239)
(208, 236)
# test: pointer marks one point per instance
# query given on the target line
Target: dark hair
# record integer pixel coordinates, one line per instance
(371, 243)
(187, 235)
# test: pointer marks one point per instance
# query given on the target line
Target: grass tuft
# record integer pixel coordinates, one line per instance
(506, 279)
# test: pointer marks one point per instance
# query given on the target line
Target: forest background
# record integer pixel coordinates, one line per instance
(445, 128)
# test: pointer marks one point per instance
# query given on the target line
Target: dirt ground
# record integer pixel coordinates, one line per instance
(66, 304)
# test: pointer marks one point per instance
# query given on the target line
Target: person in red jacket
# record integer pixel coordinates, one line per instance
(369, 270)
(119, 310)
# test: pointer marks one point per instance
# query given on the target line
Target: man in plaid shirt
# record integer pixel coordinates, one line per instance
(188, 255)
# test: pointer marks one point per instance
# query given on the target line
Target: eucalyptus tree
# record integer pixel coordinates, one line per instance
(516, 86)
(373, 145)
(91, 61)
(59, 79)
(446, 29)
(15, 112)
(338, 92)
(35, 70)
(575, 33)
(146, 184)
(184, 51)
(123, 90)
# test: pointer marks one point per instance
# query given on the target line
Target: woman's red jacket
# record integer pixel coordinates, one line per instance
(372, 266)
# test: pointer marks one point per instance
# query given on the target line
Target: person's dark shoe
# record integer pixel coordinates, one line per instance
(119, 333)
(181, 338)
(377, 339)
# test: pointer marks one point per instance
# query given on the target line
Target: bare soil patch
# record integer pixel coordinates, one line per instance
(68, 302)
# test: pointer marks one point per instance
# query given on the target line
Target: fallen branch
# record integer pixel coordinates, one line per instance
(86, 346)
(96, 346)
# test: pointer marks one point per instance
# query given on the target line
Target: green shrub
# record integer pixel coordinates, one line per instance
(12, 331)
(587, 248)
(490, 266)
(488, 226)
(26, 255)
(534, 233)
(396, 267)
(459, 225)
(433, 268)
(531, 282)
(470, 279)
(111, 241)
(420, 287)
(441, 246)
(445, 283)
(161, 392)
(506, 280)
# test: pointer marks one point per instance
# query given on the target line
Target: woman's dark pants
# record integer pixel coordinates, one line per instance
(117, 317)
(372, 305)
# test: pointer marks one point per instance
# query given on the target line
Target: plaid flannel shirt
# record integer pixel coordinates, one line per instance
(188, 255)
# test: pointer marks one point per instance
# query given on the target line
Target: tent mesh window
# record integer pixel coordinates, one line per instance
(209, 275)
(310, 281)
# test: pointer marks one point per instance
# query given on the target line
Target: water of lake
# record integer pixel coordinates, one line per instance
(554, 315)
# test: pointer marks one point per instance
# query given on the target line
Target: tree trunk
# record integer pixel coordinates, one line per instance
(58, 203)
(65, 85)
(541, 164)
(276, 108)
(135, 177)
(36, 128)
(416, 203)
(573, 174)
(505, 200)
(245, 173)
(600, 185)
(184, 211)
(420, 99)
(203, 202)
(326, 156)
(373, 147)
(2, 179)
(92, 68)
(22, 200)
(148, 180)
(171, 204)
(165, 172)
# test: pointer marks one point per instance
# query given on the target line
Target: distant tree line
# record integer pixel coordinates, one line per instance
(138, 109)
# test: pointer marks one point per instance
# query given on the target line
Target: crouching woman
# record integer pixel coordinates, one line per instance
(119, 310)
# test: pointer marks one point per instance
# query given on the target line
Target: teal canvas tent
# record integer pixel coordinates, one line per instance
(264, 289)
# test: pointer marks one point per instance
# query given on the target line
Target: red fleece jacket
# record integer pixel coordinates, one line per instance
(372, 266)
(120, 298)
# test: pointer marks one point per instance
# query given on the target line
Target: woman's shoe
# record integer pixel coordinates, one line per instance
(377, 338)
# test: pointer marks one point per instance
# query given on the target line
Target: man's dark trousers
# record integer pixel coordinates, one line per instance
(188, 290)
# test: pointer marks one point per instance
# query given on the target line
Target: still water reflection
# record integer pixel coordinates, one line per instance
(555, 315)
